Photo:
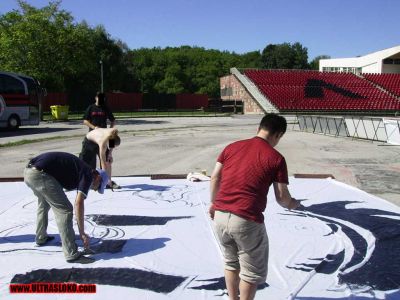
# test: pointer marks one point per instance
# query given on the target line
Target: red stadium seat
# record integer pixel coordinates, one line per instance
(322, 91)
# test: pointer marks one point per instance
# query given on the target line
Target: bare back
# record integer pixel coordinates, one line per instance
(100, 136)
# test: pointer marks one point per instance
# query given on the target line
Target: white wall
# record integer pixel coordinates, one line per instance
(373, 68)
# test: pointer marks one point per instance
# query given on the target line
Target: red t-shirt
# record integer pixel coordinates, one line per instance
(249, 168)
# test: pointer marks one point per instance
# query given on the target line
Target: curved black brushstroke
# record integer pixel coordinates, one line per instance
(393, 296)
(329, 265)
(333, 227)
(127, 277)
(124, 220)
(381, 272)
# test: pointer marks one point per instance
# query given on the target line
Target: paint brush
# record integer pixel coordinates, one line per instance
(88, 251)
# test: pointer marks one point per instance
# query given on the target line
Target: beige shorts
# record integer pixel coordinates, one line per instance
(245, 246)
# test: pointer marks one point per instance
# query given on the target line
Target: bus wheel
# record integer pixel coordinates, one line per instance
(13, 122)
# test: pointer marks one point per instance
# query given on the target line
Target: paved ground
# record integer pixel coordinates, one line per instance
(182, 145)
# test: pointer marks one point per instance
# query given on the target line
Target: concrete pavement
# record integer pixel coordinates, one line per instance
(181, 145)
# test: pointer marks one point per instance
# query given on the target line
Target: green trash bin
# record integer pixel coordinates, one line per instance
(59, 112)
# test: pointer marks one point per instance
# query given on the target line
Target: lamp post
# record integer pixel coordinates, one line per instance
(101, 75)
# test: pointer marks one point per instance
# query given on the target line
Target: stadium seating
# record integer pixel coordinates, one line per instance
(292, 90)
(390, 82)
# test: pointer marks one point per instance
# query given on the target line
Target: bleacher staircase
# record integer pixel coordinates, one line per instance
(254, 91)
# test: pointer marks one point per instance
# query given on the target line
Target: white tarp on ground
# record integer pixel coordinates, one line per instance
(155, 241)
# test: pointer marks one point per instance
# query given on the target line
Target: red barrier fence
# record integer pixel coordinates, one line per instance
(191, 101)
(124, 101)
(54, 99)
(131, 101)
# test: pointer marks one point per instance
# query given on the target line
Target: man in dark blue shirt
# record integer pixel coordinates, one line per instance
(47, 175)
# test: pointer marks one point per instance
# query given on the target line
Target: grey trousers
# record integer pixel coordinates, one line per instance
(50, 194)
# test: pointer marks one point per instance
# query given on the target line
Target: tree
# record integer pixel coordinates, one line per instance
(250, 60)
(34, 41)
(284, 56)
(314, 64)
(64, 55)
(300, 56)
(181, 69)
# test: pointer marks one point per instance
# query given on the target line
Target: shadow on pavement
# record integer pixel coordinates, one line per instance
(31, 130)
(138, 122)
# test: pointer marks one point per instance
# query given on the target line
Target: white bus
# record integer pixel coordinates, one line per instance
(20, 100)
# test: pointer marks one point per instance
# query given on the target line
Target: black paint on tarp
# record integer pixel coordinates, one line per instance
(381, 271)
(126, 220)
(328, 265)
(127, 277)
(333, 227)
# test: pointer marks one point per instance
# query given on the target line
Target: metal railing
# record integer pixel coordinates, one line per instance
(358, 127)
(254, 91)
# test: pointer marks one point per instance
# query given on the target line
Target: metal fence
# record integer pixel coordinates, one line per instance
(359, 127)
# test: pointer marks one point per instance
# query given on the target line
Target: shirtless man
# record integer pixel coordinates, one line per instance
(101, 142)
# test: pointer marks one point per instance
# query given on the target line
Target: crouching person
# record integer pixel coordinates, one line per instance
(47, 175)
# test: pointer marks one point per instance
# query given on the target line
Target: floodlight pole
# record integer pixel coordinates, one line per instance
(101, 75)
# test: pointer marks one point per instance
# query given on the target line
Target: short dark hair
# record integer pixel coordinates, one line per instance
(100, 95)
(114, 142)
(273, 123)
(117, 140)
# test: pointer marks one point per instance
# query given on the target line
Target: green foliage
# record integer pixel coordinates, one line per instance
(285, 56)
(185, 69)
(47, 44)
(314, 64)
(250, 60)
(65, 56)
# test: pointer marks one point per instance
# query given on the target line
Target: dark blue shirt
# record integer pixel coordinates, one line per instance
(98, 115)
(67, 169)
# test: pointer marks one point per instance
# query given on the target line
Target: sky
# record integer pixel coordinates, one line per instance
(338, 28)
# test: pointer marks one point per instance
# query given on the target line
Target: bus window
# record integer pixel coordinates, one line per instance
(11, 85)
(32, 86)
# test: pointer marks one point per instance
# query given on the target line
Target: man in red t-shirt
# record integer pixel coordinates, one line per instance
(239, 186)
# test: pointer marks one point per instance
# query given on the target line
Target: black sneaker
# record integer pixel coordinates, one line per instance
(81, 260)
(48, 239)
(113, 186)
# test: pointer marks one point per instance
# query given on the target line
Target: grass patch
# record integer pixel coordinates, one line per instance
(24, 142)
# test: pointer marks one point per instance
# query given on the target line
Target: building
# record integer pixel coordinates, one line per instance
(380, 62)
